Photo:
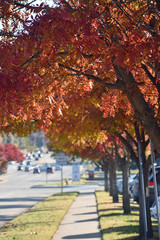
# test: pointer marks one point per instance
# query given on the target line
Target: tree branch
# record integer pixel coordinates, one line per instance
(131, 138)
(28, 61)
(21, 5)
(152, 67)
(144, 67)
(119, 5)
(137, 131)
(128, 147)
(117, 85)
(7, 34)
(67, 5)
(120, 26)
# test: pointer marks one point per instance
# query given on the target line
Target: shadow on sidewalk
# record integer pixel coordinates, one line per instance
(87, 220)
(86, 193)
(83, 236)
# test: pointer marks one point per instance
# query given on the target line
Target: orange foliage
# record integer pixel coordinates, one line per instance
(78, 48)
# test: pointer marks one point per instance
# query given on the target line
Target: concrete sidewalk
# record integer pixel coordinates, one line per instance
(81, 220)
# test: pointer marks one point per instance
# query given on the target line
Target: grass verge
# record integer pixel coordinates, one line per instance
(84, 180)
(41, 221)
(114, 224)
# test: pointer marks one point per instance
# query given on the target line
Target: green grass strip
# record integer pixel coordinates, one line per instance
(41, 221)
(114, 224)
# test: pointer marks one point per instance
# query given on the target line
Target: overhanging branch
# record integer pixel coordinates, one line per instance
(28, 61)
(128, 147)
(116, 85)
(144, 67)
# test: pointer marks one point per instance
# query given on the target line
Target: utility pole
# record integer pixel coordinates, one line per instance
(155, 186)
(61, 178)
(142, 191)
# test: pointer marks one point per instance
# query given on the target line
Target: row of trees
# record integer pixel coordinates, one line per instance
(87, 136)
(88, 73)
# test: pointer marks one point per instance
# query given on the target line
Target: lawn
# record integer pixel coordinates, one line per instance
(114, 224)
(41, 221)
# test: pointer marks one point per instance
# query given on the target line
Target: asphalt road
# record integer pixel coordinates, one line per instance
(21, 190)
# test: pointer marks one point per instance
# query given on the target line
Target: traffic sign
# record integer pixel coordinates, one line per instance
(75, 172)
(61, 158)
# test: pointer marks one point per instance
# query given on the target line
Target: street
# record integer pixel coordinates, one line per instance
(21, 190)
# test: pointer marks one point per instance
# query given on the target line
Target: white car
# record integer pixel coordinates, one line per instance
(153, 209)
(120, 183)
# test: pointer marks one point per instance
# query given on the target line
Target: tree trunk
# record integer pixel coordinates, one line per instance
(105, 178)
(147, 208)
(126, 195)
(114, 184)
(111, 181)
(3, 167)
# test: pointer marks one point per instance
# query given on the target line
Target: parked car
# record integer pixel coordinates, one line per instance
(151, 184)
(36, 170)
(20, 168)
(151, 180)
(120, 183)
(47, 150)
(97, 169)
(36, 158)
(28, 168)
(11, 162)
(39, 154)
(153, 209)
(29, 156)
(28, 163)
(49, 170)
(91, 174)
(135, 186)
(134, 192)
(58, 167)
(21, 163)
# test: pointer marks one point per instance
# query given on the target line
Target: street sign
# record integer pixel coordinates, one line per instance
(61, 158)
(75, 172)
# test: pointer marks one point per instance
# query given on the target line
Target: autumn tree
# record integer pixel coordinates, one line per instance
(88, 53)
(3, 162)
(9, 152)
(111, 48)
(12, 153)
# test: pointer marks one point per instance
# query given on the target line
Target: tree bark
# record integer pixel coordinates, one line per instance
(126, 195)
(3, 167)
(111, 182)
(148, 215)
(114, 184)
(106, 188)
